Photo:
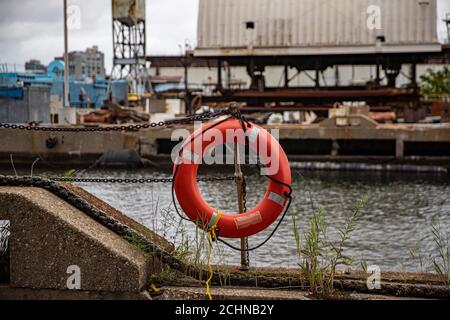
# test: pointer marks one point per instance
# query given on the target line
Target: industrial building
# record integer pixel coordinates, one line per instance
(86, 64)
(82, 80)
(38, 97)
(35, 66)
(308, 55)
(273, 56)
(310, 27)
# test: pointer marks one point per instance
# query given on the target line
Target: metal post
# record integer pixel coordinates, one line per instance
(286, 75)
(337, 76)
(66, 101)
(378, 76)
(219, 74)
(378, 66)
(317, 79)
(251, 73)
(414, 75)
(187, 101)
(245, 263)
(228, 68)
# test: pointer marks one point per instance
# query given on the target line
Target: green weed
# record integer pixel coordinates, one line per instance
(319, 257)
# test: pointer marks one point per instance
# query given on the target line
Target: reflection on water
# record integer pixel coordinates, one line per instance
(397, 218)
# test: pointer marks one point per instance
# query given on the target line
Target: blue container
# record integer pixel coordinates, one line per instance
(14, 93)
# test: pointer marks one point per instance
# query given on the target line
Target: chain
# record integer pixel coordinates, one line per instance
(134, 181)
(244, 185)
(244, 193)
(134, 127)
(232, 112)
(244, 201)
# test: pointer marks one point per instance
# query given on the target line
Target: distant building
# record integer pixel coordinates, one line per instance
(86, 64)
(28, 96)
(35, 66)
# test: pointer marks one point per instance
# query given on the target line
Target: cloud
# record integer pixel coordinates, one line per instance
(34, 29)
(170, 23)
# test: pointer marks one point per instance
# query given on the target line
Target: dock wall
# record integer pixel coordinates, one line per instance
(409, 143)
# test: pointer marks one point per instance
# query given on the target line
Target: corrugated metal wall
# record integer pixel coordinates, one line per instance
(303, 23)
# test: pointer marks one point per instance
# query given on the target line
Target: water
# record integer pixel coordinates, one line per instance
(396, 219)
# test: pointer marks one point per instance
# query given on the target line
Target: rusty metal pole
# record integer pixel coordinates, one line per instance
(187, 99)
(239, 178)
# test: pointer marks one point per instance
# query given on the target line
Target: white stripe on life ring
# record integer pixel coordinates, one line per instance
(191, 156)
(212, 221)
(275, 197)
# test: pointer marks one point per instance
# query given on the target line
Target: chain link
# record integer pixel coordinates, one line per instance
(133, 127)
(244, 202)
(134, 181)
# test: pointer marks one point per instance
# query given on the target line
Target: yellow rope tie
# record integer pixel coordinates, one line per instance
(211, 233)
(154, 288)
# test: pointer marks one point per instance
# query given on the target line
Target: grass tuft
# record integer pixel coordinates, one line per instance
(441, 260)
(319, 257)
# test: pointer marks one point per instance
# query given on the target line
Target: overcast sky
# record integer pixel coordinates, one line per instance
(34, 29)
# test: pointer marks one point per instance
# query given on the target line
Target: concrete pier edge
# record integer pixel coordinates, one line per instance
(409, 285)
(93, 212)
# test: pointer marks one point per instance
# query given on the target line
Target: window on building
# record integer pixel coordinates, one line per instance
(250, 25)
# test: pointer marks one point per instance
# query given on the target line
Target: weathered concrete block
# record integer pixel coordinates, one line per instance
(49, 237)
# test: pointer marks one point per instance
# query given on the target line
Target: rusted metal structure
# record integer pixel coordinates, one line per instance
(288, 97)
(129, 33)
(309, 37)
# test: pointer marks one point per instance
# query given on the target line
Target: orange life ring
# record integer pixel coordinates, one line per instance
(233, 225)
